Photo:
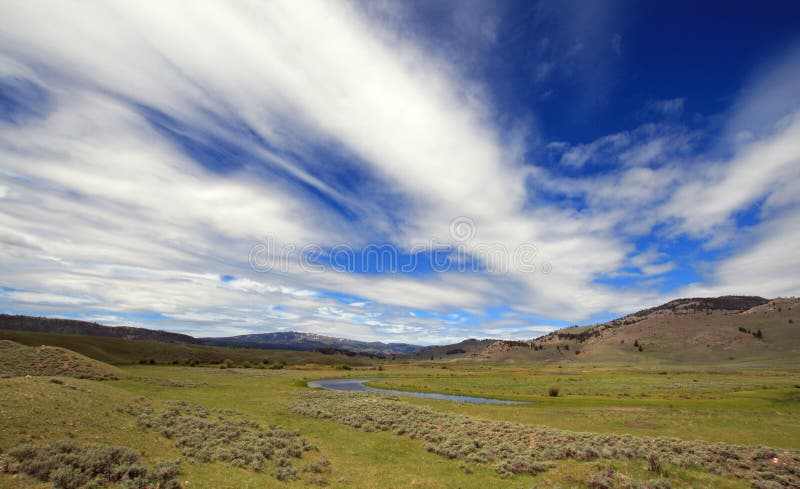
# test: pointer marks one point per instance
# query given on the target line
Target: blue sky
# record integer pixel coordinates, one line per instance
(399, 171)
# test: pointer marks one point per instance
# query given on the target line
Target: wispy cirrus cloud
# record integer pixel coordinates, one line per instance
(670, 107)
(146, 149)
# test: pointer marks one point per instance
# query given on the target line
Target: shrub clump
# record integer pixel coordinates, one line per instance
(516, 448)
(210, 435)
(70, 466)
(608, 478)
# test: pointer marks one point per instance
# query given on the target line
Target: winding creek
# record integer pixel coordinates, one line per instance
(358, 385)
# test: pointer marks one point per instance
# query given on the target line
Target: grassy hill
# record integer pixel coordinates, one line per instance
(285, 340)
(732, 331)
(73, 326)
(20, 360)
(118, 351)
(464, 349)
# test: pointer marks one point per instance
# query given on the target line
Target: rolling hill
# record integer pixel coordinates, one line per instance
(725, 330)
(266, 341)
(121, 351)
(73, 326)
(464, 349)
(19, 360)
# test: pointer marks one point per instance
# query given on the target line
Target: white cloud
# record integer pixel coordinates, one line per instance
(711, 199)
(768, 266)
(648, 145)
(652, 262)
(429, 136)
(38, 298)
(102, 208)
(771, 94)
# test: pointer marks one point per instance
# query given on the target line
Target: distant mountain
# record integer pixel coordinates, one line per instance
(269, 341)
(72, 326)
(309, 341)
(744, 329)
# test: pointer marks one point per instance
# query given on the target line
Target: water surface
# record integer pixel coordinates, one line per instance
(358, 385)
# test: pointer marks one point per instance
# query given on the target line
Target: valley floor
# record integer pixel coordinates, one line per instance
(749, 408)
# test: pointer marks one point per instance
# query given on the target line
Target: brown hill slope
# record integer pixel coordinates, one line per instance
(463, 349)
(731, 330)
(18, 360)
(73, 326)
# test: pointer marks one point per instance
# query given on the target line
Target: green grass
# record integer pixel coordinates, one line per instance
(514, 448)
(88, 413)
(734, 407)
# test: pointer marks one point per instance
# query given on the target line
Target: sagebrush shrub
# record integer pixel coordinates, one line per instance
(219, 435)
(517, 448)
(71, 466)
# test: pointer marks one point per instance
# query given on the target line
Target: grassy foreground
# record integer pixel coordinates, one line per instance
(744, 407)
(751, 408)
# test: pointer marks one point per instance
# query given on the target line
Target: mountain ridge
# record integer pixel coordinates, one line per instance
(686, 313)
(39, 324)
(291, 340)
(301, 340)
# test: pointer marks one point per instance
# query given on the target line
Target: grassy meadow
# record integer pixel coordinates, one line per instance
(744, 407)
(748, 408)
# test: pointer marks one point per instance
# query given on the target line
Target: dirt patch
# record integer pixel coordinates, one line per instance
(639, 424)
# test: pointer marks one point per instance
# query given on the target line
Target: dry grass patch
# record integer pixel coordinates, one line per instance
(21, 360)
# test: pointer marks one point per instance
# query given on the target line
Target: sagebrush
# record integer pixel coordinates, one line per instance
(516, 448)
(71, 466)
(223, 435)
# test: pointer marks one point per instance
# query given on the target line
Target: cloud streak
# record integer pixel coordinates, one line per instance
(147, 148)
